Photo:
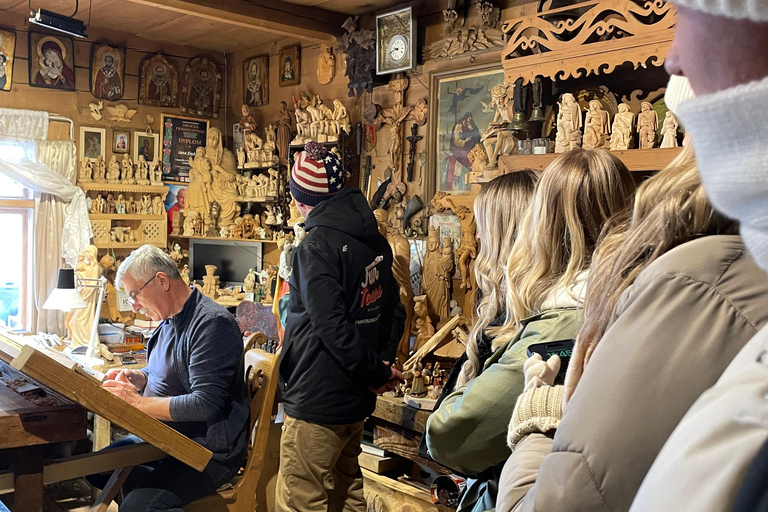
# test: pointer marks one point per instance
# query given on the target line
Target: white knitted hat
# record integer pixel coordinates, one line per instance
(754, 10)
(678, 90)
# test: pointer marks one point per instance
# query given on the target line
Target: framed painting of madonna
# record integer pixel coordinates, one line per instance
(460, 111)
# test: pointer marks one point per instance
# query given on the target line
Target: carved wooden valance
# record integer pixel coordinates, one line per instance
(587, 38)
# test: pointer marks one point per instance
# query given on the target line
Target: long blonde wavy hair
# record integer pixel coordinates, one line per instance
(499, 207)
(671, 208)
(577, 193)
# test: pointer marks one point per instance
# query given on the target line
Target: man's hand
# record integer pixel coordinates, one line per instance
(122, 387)
(135, 377)
(395, 378)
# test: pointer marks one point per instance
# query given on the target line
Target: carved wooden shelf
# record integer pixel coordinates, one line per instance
(265, 241)
(124, 216)
(116, 246)
(608, 33)
(114, 187)
(634, 159)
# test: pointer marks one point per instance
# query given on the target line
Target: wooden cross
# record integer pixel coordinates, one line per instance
(412, 139)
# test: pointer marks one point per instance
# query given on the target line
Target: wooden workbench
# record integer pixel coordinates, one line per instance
(31, 417)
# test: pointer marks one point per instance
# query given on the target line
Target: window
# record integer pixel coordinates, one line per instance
(17, 208)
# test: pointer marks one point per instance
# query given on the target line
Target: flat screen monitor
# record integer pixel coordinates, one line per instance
(232, 258)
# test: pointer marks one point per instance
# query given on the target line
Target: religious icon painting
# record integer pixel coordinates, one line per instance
(256, 81)
(120, 141)
(92, 143)
(158, 82)
(107, 65)
(290, 66)
(201, 92)
(51, 61)
(7, 49)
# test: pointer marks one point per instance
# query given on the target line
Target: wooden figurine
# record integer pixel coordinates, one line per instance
(283, 138)
(142, 171)
(623, 122)
(189, 223)
(294, 212)
(98, 204)
(113, 170)
(120, 204)
(155, 172)
(647, 124)
(498, 137)
(100, 170)
(597, 126)
(122, 234)
(299, 232)
(340, 120)
(145, 208)
(269, 149)
(240, 158)
(422, 324)
(302, 122)
(224, 173)
(419, 383)
(127, 166)
(249, 283)
(130, 206)
(436, 275)
(86, 171)
(158, 208)
(210, 282)
(247, 121)
(200, 181)
(175, 254)
(467, 250)
(326, 65)
(185, 274)
(212, 222)
(669, 131)
(80, 321)
(401, 269)
(568, 124)
(110, 208)
(285, 246)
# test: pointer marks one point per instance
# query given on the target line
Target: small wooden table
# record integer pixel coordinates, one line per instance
(32, 416)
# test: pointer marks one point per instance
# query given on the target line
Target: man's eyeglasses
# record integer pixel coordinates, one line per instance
(134, 295)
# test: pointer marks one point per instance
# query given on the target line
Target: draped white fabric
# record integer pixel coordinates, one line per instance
(24, 124)
(50, 224)
(62, 227)
(41, 178)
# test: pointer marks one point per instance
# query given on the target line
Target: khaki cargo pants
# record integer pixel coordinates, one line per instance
(319, 470)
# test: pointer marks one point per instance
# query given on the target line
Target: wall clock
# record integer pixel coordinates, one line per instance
(395, 41)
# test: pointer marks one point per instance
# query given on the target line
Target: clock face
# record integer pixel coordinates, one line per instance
(397, 49)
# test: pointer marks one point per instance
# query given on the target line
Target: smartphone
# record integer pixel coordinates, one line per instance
(561, 348)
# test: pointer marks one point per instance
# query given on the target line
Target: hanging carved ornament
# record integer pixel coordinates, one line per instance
(358, 47)
(458, 39)
(599, 36)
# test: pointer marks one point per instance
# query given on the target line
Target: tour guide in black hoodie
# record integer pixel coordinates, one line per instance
(343, 326)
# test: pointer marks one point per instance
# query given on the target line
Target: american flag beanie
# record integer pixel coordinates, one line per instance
(317, 175)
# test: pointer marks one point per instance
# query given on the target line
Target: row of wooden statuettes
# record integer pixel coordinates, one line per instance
(599, 132)
(143, 172)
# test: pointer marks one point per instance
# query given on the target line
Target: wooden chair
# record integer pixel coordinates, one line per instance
(261, 375)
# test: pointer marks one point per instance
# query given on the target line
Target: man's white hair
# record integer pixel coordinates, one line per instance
(145, 262)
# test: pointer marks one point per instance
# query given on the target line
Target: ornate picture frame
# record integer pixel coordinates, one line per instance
(7, 55)
(290, 66)
(256, 81)
(51, 61)
(201, 92)
(121, 141)
(454, 95)
(93, 143)
(145, 143)
(107, 72)
(158, 82)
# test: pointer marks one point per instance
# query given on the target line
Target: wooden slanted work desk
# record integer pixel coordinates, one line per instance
(69, 381)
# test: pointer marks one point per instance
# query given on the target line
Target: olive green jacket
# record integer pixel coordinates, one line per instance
(468, 432)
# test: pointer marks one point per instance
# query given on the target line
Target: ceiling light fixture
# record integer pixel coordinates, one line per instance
(59, 22)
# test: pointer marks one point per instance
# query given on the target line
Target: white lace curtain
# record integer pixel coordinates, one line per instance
(62, 228)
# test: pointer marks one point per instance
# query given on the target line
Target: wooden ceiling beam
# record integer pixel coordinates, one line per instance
(273, 16)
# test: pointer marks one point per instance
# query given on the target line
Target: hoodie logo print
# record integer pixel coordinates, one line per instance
(369, 294)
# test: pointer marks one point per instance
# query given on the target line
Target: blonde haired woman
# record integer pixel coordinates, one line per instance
(672, 297)
(576, 194)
